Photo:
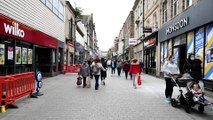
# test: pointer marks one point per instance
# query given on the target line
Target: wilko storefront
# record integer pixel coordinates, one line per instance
(23, 49)
(189, 33)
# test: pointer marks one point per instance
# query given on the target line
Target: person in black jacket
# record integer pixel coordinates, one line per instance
(103, 73)
(188, 64)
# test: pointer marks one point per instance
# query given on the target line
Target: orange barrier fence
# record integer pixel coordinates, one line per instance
(13, 87)
(71, 68)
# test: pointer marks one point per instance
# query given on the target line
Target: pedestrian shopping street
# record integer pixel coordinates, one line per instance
(118, 100)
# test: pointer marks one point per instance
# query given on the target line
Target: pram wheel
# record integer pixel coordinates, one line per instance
(174, 102)
(187, 109)
(201, 108)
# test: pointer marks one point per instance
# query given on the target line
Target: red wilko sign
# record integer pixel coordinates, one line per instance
(11, 28)
(14, 29)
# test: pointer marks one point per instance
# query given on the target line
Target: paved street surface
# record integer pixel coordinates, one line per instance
(63, 100)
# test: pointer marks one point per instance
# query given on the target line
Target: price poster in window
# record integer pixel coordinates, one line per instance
(24, 56)
(29, 56)
(18, 55)
(10, 53)
(2, 54)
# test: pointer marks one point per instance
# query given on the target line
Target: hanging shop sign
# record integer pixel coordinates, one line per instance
(18, 55)
(150, 42)
(2, 54)
(132, 41)
(178, 25)
(10, 53)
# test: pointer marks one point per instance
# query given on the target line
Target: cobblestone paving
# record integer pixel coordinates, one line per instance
(63, 100)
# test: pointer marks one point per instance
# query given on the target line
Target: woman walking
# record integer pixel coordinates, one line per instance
(169, 68)
(119, 66)
(126, 68)
(103, 73)
(135, 70)
(84, 72)
(96, 70)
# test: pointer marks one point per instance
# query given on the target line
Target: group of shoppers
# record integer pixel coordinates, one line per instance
(96, 68)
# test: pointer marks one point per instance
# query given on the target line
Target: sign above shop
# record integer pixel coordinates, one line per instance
(150, 42)
(178, 25)
(132, 41)
(14, 29)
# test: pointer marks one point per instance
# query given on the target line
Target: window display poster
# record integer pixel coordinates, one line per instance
(29, 56)
(162, 55)
(24, 56)
(176, 55)
(18, 55)
(199, 42)
(208, 74)
(10, 53)
(2, 54)
(170, 47)
(190, 43)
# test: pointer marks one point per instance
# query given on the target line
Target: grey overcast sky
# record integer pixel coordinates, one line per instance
(109, 16)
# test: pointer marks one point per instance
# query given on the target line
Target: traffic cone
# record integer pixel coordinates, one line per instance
(3, 109)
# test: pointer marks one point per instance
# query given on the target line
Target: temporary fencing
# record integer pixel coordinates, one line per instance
(71, 68)
(13, 87)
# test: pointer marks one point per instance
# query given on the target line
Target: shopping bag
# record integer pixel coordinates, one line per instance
(88, 83)
(79, 80)
(139, 80)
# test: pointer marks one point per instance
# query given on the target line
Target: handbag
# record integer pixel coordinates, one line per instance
(88, 83)
(79, 80)
(139, 80)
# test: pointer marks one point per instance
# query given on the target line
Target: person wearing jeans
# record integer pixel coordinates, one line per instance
(97, 73)
(169, 68)
(134, 70)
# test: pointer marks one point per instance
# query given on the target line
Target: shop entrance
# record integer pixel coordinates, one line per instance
(43, 60)
(179, 53)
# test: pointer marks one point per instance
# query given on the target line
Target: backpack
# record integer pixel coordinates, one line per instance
(95, 69)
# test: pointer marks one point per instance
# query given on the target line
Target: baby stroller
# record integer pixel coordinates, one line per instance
(186, 99)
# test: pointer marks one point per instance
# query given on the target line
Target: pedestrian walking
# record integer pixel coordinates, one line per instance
(96, 70)
(119, 66)
(103, 73)
(135, 71)
(84, 72)
(169, 68)
(109, 62)
(126, 68)
(113, 66)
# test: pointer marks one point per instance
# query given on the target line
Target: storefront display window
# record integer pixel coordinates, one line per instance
(208, 71)
(2, 54)
(18, 55)
(190, 43)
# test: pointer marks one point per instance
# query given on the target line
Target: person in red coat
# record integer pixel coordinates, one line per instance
(135, 70)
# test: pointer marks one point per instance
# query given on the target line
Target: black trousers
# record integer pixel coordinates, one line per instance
(119, 71)
(126, 73)
(113, 71)
(84, 81)
(169, 88)
(96, 81)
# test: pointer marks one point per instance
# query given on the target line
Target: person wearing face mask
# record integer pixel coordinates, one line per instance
(169, 68)
(84, 72)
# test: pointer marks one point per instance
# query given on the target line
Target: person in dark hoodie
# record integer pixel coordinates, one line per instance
(188, 64)
(103, 73)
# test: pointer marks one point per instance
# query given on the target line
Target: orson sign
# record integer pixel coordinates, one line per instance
(178, 25)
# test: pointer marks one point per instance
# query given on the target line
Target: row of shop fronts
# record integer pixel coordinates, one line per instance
(24, 49)
(186, 33)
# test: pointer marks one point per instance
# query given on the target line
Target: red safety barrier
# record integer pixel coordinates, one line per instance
(13, 87)
(72, 68)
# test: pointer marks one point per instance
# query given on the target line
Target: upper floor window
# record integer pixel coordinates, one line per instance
(141, 7)
(49, 4)
(155, 23)
(187, 3)
(56, 6)
(175, 7)
(165, 11)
